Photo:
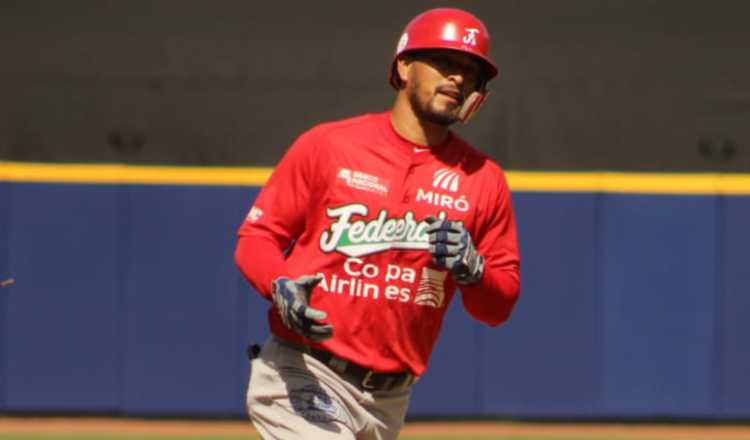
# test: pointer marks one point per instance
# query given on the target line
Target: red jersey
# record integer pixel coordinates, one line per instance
(347, 202)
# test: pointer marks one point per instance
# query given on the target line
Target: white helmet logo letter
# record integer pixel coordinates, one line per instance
(471, 36)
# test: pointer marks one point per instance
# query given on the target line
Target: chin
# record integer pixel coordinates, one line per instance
(444, 118)
(433, 112)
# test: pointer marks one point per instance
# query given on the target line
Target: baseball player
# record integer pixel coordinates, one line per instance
(362, 235)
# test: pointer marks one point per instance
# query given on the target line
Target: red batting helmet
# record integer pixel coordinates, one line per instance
(445, 28)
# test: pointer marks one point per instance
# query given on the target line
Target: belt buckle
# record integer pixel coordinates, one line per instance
(366, 381)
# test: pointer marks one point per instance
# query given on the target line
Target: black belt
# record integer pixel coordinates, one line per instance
(366, 379)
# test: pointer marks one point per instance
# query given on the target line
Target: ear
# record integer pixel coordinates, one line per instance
(402, 70)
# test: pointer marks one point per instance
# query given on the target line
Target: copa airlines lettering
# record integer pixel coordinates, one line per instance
(356, 238)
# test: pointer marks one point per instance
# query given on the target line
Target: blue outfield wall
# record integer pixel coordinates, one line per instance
(732, 326)
(4, 269)
(127, 301)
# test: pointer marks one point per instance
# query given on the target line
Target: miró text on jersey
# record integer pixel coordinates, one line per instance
(443, 200)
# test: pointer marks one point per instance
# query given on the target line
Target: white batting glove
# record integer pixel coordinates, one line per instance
(292, 299)
(452, 248)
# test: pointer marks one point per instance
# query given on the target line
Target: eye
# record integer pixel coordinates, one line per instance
(450, 63)
(473, 75)
(437, 60)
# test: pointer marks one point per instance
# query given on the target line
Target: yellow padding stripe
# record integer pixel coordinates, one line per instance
(617, 182)
(526, 181)
(134, 174)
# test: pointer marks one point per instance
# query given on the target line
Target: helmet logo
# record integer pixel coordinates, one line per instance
(471, 36)
(402, 42)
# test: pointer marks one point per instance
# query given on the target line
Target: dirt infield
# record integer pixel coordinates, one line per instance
(73, 426)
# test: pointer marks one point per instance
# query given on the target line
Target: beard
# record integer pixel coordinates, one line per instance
(427, 111)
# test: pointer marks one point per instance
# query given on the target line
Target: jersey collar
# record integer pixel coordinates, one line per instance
(416, 152)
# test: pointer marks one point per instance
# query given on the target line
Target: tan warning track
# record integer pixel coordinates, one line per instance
(72, 426)
(583, 431)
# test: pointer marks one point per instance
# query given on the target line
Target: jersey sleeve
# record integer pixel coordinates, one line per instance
(492, 299)
(278, 215)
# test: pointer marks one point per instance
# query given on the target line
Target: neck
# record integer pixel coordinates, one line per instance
(410, 127)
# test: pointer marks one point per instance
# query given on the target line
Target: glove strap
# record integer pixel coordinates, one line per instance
(474, 274)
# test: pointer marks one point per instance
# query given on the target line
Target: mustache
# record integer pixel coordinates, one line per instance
(452, 91)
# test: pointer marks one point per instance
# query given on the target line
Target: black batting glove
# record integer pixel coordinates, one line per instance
(451, 247)
(292, 299)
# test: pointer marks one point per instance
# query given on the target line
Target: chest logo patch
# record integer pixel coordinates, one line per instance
(446, 179)
(363, 181)
(254, 215)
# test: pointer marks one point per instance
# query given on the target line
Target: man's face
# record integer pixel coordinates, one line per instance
(438, 82)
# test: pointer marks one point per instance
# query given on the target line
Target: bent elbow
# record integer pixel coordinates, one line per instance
(238, 254)
(506, 310)
(498, 319)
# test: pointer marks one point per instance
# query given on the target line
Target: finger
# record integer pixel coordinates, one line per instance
(437, 252)
(299, 308)
(451, 226)
(314, 314)
(453, 237)
(444, 236)
(439, 249)
(436, 225)
(452, 250)
(319, 333)
(444, 225)
(439, 225)
(309, 281)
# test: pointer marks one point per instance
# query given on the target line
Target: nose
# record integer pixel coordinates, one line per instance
(457, 77)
